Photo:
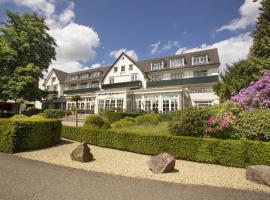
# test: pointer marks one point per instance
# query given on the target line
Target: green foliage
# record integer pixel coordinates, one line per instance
(261, 35)
(237, 76)
(54, 113)
(112, 116)
(235, 153)
(19, 134)
(224, 107)
(31, 111)
(19, 116)
(168, 116)
(96, 121)
(148, 119)
(26, 50)
(254, 124)
(5, 114)
(125, 122)
(191, 122)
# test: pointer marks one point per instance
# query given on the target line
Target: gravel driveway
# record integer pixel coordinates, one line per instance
(134, 165)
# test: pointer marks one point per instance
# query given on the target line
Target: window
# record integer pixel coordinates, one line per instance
(123, 68)
(107, 104)
(147, 106)
(173, 104)
(55, 87)
(176, 75)
(119, 104)
(155, 106)
(95, 84)
(166, 105)
(73, 86)
(73, 77)
(84, 76)
(100, 105)
(177, 62)
(131, 67)
(201, 73)
(138, 105)
(82, 105)
(83, 85)
(198, 60)
(48, 88)
(157, 65)
(134, 77)
(112, 104)
(202, 104)
(115, 69)
(112, 80)
(53, 79)
(201, 90)
(156, 78)
(95, 74)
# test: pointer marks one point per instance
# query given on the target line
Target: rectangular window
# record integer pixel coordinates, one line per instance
(200, 90)
(55, 87)
(157, 65)
(155, 106)
(134, 77)
(112, 80)
(173, 104)
(95, 84)
(177, 62)
(201, 73)
(115, 69)
(202, 104)
(95, 74)
(53, 79)
(107, 104)
(82, 105)
(84, 76)
(73, 77)
(100, 105)
(156, 78)
(112, 104)
(138, 105)
(176, 75)
(148, 106)
(166, 105)
(123, 68)
(131, 67)
(119, 105)
(83, 85)
(199, 60)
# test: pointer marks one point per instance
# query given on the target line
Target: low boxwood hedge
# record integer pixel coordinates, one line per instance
(28, 133)
(235, 153)
(112, 116)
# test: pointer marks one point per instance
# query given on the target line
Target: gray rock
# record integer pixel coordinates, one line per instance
(82, 153)
(161, 163)
(259, 174)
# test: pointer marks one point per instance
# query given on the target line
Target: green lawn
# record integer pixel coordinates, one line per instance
(160, 129)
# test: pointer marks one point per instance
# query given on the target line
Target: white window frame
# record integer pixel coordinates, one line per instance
(177, 62)
(200, 73)
(134, 77)
(115, 69)
(130, 67)
(111, 79)
(199, 60)
(154, 65)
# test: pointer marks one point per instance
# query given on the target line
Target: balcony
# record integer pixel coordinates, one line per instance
(183, 81)
(130, 84)
(81, 90)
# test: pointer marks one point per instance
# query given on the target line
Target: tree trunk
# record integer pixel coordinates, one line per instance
(20, 110)
(76, 113)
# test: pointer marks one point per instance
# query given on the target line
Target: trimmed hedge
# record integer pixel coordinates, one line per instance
(28, 133)
(148, 119)
(96, 121)
(235, 153)
(112, 116)
(31, 111)
(53, 113)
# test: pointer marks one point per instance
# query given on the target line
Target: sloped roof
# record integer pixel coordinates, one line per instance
(61, 76)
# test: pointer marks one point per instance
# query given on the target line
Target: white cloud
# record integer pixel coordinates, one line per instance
(96, 65)
(117, 53)
(76, 43)
(154, 47)
(249, 12)
(230, 50)
(158, 48)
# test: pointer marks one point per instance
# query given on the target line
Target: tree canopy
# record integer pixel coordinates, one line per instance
(26, 50)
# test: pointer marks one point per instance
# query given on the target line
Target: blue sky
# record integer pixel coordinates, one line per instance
(94, 32)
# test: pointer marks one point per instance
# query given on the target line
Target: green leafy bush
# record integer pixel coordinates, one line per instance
(228, 106)
(168, 116)
(19, 116)
(31, 111)
(112, 116)
(28, 133)
(254, 124)
(126, 122)
(190, 122)
(96, 121)
(54, 113)
(148, 119)
(235, 153)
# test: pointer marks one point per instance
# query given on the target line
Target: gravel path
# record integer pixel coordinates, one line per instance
(134, 165)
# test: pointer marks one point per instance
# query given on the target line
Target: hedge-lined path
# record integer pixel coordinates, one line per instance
(134, 165)
(28, 179)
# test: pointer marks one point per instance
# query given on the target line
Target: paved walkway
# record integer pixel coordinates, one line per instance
(24, 179)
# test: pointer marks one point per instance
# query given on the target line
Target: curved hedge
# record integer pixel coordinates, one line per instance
(235, 153)
(28, 133)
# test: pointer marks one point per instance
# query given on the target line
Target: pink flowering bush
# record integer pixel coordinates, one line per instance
(222, 126)
(256, 95)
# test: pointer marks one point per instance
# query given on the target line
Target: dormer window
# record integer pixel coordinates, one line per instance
(73, 77)
(157, 65)
(84, 76)
(115, 69)
(53, 79)
(199, 60)
(95, 74)
(177, 62)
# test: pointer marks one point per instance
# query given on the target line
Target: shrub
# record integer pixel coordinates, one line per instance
(112, 116)
(235, 153)
(54, 113)
(31, 111)
(28, 133)
(96, 121)
(190, 122)
(126, 122)
(148, 119)
(228, 106)
(19, 116)
(254, 124)
(168, 116)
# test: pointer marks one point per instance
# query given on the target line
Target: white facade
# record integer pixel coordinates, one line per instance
(157, 85)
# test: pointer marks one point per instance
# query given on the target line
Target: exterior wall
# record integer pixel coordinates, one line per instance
(125, 76)
(49, 85)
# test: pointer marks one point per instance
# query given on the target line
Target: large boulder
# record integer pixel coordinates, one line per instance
(259, 174)
(161, 163)
(82, 153)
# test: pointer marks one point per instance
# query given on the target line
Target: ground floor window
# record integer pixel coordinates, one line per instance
(166, 106)
(202, 104)
(112, 104)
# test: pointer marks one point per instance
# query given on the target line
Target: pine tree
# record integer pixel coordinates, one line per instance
(261, 35)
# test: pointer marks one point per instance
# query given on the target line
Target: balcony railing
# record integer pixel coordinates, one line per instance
(130, 84)
(81, 90)
(183, 81)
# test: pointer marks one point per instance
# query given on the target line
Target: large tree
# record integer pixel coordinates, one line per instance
(26, 50)
(261, 35)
